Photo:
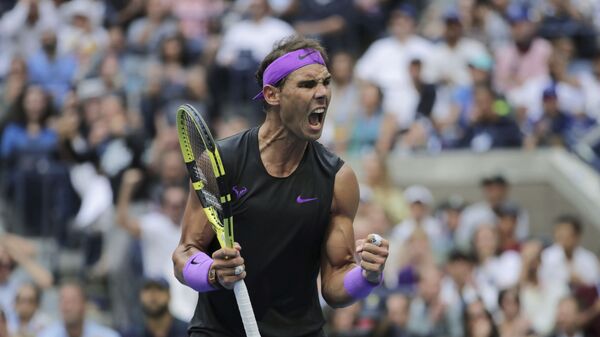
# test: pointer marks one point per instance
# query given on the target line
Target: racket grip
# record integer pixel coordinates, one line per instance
(243, 301)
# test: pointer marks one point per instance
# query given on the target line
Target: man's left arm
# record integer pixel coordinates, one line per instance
(342, 280)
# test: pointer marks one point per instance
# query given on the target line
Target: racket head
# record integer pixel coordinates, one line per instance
(207, 173)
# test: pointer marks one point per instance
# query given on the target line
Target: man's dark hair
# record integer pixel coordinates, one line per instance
(283, 47)
(571, 220)
(458, 256)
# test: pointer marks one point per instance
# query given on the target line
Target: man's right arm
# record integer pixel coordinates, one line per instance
(196, 236)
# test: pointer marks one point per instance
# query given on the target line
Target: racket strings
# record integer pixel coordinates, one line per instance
(204, 168)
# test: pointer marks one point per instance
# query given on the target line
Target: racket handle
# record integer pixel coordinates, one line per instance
(243, 301)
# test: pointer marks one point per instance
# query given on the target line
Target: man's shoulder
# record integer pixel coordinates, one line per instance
(329, 160)
(234, 141)
(97, 330)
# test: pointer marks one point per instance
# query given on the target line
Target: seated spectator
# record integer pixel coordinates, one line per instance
(386, 63)
(30, 320)
(478, 321)
(450, 122)
(21, 28)
(494, 271)
(344, 104)
(458, 283)
(158, 321)
(449, 214)
(74, 323)
(29, 131)
(18, 265)
(396, 320)
(571, 18)
(566, 261)
(407, 261)
(378, 179)
(567, 319)
(489, 128)
(145, 34)
(368, 121)
(454, 52)
(526, 57)
(539, 297)
(590, 85)
(244, 44)
(428, 314)
(51, 68)
(512, 322)
(508, 218)
(496, 190)
(83, 34)
(420, 202)
(552, 129)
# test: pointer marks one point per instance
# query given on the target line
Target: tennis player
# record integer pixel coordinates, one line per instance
(294, 204)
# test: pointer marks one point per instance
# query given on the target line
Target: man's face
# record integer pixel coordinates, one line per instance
(155, 301)
(174, 199)
(566, 237)
(304, 99)
(72, 305)
(495, 193)
(26, 302)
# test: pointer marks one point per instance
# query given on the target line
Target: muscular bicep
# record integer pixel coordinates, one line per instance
(339, 246)
(196, 234)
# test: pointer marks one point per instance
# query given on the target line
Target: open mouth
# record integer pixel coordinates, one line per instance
(316, 117)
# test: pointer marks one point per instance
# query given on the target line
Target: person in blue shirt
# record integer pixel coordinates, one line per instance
(28, 133)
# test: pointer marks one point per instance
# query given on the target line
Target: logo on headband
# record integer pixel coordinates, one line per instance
(302, 57)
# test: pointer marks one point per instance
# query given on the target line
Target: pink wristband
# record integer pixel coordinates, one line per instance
(356, 285)
(195, 272)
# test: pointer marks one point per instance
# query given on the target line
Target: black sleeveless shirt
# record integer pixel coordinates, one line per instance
(280, 224)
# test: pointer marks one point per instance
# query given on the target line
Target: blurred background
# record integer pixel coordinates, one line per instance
(472, 125)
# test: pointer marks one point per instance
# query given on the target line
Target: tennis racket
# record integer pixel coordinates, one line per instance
(202, 159)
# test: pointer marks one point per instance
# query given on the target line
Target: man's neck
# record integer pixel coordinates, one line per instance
(75, 330)
(159, 326)
(280, 150)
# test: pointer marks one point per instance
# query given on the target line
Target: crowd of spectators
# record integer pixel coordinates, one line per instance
(93, 185)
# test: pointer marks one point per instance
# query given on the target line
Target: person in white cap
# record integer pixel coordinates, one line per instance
(420, 201)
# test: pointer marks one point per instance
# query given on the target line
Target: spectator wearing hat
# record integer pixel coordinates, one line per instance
(526, 57)
(553, 126)
(495, 190)
(158, 320)
(420, 201)
(566, 261)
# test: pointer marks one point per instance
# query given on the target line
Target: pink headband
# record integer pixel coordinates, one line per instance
(287, 63)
